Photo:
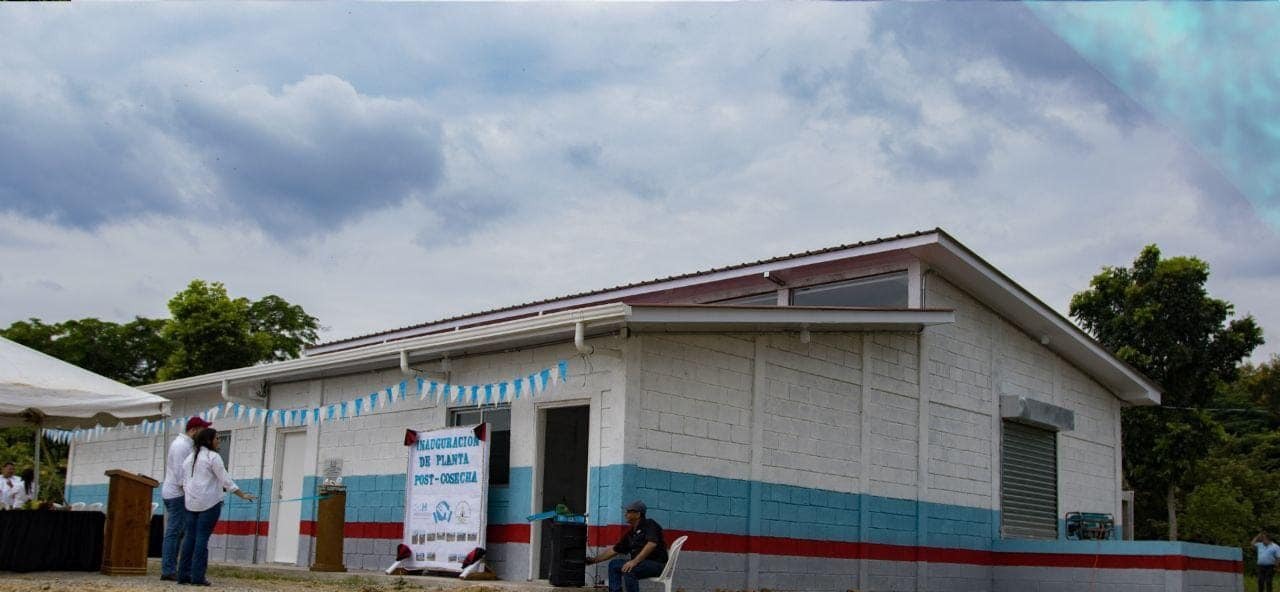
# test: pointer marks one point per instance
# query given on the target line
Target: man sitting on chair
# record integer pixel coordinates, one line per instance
(644, 543)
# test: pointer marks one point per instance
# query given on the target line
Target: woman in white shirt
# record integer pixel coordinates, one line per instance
(23, 495)
(204, 479)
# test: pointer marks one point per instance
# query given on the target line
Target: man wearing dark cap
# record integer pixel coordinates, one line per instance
(175, 510)
(643, 542)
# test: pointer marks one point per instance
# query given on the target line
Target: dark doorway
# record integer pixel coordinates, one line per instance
(564, 468)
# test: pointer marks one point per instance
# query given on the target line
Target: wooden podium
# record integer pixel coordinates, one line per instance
(124, 548)
(331, 520)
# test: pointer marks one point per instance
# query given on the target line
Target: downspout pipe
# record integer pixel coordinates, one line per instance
(580, 339)
(408, 370)
(262, 468)
(262, 459)
(227, 396)
(580, 343)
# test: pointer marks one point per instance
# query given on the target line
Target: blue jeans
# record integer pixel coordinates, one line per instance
(195, 545)
(646, 569)
(175, 523)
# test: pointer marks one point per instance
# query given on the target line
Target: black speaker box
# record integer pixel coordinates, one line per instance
(568, 554)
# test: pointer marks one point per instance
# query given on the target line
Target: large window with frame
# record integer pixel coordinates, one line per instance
(885, 290)
(499, 420)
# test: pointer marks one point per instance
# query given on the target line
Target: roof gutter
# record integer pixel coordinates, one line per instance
(1039, 320)
(427, 346)
(575, 325)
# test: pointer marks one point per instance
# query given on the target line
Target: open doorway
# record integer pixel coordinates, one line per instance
(564, 467)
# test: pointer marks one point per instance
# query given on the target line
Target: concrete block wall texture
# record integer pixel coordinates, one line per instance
(810, 433)
(982, 356)
(673, 423)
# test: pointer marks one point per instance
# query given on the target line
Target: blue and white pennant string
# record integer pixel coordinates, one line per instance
(434, 392)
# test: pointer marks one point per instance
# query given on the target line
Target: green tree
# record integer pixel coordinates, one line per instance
(1248, 459)
(130, 353)
(209, 332)
(1158, 317)
(1218, 513)
(212, 331)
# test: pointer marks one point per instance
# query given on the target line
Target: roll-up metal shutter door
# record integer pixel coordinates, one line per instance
(1028, 482)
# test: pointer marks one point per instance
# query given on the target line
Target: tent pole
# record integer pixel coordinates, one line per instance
(35, 487)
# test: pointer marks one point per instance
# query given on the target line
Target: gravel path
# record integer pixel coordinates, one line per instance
(235, 578)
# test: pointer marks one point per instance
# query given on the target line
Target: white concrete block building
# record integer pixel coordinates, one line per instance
(887, 415)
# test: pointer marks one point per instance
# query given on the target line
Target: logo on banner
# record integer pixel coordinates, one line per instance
(443, 513)
(463, 513)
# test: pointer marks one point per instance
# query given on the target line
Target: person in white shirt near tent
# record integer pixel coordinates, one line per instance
(25, 493)
(10, 486)
(204, 479)
(175, 511)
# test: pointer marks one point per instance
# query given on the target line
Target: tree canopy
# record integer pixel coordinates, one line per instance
(1158, 316)
(211, 331)
(208, 331)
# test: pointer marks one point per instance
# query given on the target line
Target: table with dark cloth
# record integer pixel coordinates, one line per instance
(51, 540)
(155, 544)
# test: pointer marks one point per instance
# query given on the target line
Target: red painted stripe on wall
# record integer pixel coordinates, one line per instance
(601, 536)
(240, 527)
(1169, 562)
(508, 533)
(497, 533)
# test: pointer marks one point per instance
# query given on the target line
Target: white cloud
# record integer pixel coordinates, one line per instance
(583, 147)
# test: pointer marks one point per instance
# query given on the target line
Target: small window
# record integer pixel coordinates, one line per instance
(1028, 482)
(888, 290)
(224, 447)
(766, 299)
(499, 420)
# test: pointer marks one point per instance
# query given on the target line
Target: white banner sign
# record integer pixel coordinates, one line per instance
(446, 495)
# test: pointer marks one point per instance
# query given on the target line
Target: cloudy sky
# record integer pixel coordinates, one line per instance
(389, 164)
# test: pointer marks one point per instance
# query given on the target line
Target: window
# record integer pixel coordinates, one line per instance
(881, 290)
(766, 299)
(499, 420)
(224, 447)
(1028, 482)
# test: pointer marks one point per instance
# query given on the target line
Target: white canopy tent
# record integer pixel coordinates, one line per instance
(40, 390)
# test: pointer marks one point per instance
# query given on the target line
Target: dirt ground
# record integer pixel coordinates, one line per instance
(232, 578)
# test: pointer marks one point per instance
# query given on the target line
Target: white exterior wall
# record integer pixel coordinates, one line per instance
(893, 414)
(695, 404)
(897, 418)
(811, 413)
(372, 444)
(982, 350)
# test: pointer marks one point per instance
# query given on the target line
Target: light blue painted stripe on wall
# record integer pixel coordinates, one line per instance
(686, 501)
(1109, 547)
(380, 498)
(233, 509)
(237, 509)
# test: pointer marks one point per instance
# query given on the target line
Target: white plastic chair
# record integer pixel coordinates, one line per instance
(669, 572)
(154, 506)
(95, 507)
(77, 507)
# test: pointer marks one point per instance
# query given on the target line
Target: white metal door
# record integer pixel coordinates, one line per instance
(289, 514)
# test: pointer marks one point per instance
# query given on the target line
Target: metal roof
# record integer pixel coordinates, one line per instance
(329, 345)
